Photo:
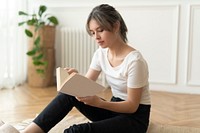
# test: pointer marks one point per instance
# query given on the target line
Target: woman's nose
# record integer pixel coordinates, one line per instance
(97, 36)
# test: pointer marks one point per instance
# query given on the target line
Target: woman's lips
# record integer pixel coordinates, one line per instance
(100, 42)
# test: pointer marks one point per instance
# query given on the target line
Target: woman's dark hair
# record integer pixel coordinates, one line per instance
(106, 16)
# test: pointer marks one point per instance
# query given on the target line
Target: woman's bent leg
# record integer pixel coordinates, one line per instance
(32, 128)
(55, 111)
(118, 123)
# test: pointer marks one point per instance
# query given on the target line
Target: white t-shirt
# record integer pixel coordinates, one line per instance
(131, 73)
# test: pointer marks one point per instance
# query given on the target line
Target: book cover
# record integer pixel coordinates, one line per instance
(76, 84)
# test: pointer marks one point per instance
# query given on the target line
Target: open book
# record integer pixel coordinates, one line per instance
(76, 84)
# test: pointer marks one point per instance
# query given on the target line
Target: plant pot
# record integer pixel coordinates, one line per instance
(47, 35)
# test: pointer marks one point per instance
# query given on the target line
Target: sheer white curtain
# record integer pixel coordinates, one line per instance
(13, 64)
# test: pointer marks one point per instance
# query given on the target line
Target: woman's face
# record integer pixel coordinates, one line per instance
(103, 37)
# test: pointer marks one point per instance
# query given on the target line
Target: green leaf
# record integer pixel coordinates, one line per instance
(31, 22)
(21, 23)
(45, 63)
(38, 63)
(42, 23)
(40, 71)
(42, 9)
(39, 57)
(31, 52)
(22, 13)
(53, 20)
(37, 41)
(28, 33)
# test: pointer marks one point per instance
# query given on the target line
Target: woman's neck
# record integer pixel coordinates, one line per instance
(117, 49)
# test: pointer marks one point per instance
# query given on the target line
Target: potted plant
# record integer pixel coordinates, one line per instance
(41, 33)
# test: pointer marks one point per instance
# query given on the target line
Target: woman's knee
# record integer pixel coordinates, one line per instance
(61, 97)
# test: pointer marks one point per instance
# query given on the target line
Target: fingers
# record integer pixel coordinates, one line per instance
(78, 98)
(71, 70)
(81, 98)
(90, 100)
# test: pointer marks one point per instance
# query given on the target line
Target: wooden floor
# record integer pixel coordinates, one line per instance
(25, 102)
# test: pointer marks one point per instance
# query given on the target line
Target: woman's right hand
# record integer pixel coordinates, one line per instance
(71, 70)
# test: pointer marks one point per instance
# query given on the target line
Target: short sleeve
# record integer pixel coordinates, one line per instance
(95, 63)
(137, 74)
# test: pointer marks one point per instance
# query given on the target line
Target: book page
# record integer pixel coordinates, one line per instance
(78, 85)
(61, 76)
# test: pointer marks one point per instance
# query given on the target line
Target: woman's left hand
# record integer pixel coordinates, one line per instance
(91, 100)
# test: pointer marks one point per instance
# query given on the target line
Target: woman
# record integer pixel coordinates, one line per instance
(126, 73)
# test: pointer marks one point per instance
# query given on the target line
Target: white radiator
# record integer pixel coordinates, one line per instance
(77, 49)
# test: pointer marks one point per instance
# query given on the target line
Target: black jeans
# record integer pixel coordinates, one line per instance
(103, 121)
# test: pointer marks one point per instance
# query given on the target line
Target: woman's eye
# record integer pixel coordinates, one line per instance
(100, 30)
(92, 33)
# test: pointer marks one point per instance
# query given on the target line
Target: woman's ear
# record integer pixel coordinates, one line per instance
(116, 27)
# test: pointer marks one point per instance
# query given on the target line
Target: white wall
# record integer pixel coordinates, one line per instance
(167, 32)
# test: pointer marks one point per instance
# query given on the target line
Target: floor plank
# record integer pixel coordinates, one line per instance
(175, 109)
(25, 102)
